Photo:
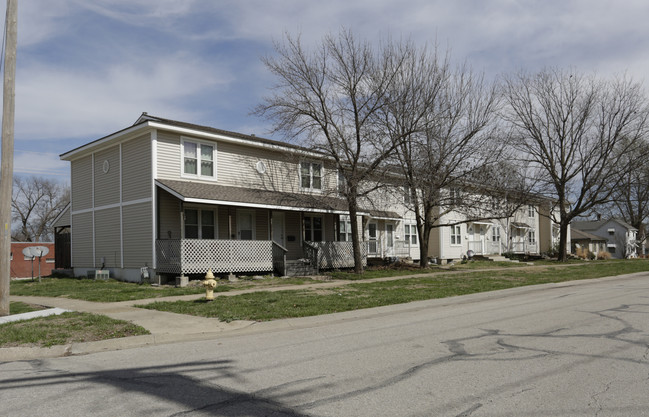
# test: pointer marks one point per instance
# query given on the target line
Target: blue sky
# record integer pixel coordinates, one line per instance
(87, 68)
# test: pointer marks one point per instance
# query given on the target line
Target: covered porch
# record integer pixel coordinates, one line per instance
(522, 239)
(236, 230)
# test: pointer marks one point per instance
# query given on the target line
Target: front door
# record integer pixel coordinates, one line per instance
(389, 239)
(278, 228)
(372, 238)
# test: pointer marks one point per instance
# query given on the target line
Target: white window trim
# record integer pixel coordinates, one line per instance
(322, 176)
(347, 221)
(531, 211)
(198, 142)
(253, 213)
(413, 230)
(200, 210)
(458, 234)
(322, 226)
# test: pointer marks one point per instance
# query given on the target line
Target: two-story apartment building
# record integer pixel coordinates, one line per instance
(169, 197)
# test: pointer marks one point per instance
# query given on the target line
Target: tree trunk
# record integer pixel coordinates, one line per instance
(563, 239)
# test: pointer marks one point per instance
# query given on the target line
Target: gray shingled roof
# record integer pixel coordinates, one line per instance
(257, 197)
(596, 224)
(576, 234)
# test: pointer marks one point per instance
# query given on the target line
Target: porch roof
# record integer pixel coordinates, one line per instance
(195, 192)
(520, 225)
(384, 215)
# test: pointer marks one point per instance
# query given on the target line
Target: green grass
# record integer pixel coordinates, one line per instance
(97, 290)
(17, 307)
(267, 305)
(65, 328)
(113, 290)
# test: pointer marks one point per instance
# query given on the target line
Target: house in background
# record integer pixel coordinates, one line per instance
(173, 198)
(620, 236)
(23, 266)
(582, 239)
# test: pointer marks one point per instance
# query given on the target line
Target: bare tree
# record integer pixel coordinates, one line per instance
(329, 99)
(444, 122)
(630, 199)
(575, 130)
(35, 203)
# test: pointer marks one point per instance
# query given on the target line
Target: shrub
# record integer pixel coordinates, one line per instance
(603, 255)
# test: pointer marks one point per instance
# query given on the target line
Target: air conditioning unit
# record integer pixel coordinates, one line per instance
(102, 274)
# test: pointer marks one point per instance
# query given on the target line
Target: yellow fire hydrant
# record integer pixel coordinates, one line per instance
(209, 283)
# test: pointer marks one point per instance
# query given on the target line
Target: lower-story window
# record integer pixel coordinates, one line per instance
(456, 237)
(344, 229)
(410, 234)
(313, 229)
(199, 224)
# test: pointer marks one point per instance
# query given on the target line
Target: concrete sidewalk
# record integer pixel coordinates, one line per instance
(165, 327)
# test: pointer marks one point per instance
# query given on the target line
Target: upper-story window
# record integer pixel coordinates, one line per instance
(342, 183)
(310, 176)
(530, 211)
(407, 197)
(455, 197)
(198, 159)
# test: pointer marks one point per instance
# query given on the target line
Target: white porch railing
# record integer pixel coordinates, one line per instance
(335, 255)
(523, 247)
(196, 256)
(380, 249)
(484, 247)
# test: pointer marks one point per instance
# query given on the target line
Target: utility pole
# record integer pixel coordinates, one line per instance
(7, 172)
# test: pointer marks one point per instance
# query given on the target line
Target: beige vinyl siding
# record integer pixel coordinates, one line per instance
(81, 183)
(168, 155)
(136, 169)
(237, 166)
(82, 240)
(107, 183)
(433, 243)
(169, 216)
(107, 238)
(137, 235)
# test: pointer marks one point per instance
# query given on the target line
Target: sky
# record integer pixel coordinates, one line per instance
(88, 68)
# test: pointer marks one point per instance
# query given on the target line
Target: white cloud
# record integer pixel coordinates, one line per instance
(63, 102)
(40, 164)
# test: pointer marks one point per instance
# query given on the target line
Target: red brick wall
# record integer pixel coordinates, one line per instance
(21, 268)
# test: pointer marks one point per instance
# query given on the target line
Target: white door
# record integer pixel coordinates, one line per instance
(372, 237)
(278, 228)
(389, 239)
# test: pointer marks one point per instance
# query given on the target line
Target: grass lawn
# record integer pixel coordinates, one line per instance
(265, 305)
(65, 328)
(112, 290)
(17, 307)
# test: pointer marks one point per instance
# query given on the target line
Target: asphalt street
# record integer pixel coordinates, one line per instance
(570, 349)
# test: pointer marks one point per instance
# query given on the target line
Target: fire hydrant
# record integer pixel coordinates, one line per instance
(209, 283)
